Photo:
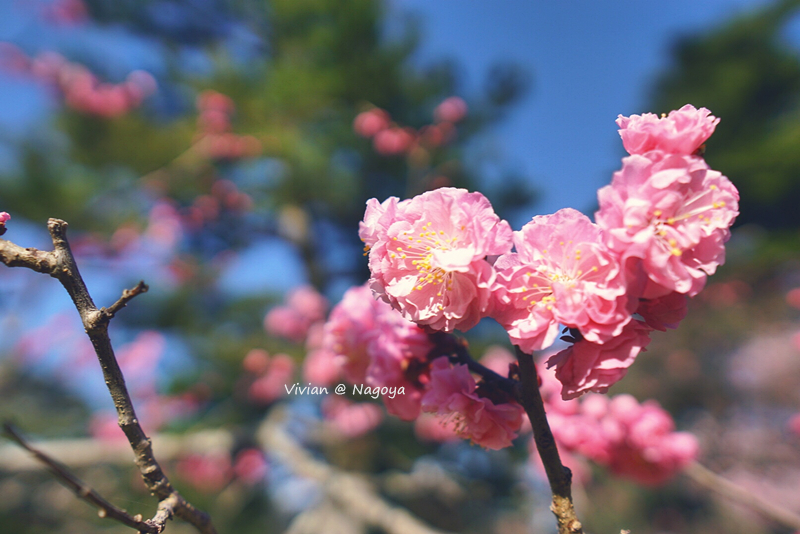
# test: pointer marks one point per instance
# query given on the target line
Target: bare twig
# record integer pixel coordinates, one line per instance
(560, 477)
(60, 264)
(81, 489)
(707, 478)
(126, 297)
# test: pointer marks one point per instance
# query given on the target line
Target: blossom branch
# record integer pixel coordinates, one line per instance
(560, 477)
(60, 264)
(707, 478)
(81, 489)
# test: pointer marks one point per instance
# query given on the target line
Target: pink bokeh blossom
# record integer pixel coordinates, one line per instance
(587, 366)
(561, 273)
(427, 255)
(452, 394)
(683, 131)
(351, 419)
(272, 384)
(369, 123)
(452, 109)
(673, 214)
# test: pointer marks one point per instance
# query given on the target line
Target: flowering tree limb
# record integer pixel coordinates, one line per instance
(60, 264)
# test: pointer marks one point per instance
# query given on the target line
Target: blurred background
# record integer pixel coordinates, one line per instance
(223, 151)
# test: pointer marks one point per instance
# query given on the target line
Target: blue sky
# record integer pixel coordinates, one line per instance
(590, 61)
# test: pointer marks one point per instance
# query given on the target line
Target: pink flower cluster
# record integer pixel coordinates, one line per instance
(636, 441)
(660, 231)
(304, 307)
(377, 347)
(80, 88)
(391, 139)
(270, 375)
(452, 395)
(215, 139)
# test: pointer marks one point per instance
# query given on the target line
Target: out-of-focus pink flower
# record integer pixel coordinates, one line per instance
(578, 466)
(376, 346)
(664, 312)
(680, 132)
(256, 361)
(250, 466)
(210, 100)
(437, 428)
(351, 326)
(369, 123)
(67, 12)
(794, 424)
(452, 109)
(4, 218)
(208, 473)
(272, 385)
(792, 297)
(399, 360)
(637, 441)
(645, 446)
(671, 212)
(427, 255)
(285, 322)
(587, 366)
(321, 367)
(452, 394)
(351, 419)
(561, 273)
(393, 141)
(308, 302)
(304, 307)
(497, 358)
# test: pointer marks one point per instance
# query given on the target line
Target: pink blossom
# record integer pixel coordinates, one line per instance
(452, 393)
(498, 359)
(452, 109)
(587, 366)
(645, 446)
(256, 361)
(369, 123)
(351, 326)
(794, 424)
(250, 466)
(208, 473)
(4, 218)
(393, 141)
(376, 346)
(351, 419)
(285, 322)
(561, 273)
(321, 367)
(272, 385)
(680, 132)
(308, 302)
(672, 213)
(399, 359)
(427, 256)
(792, 296)
(441, 429)
(664, 312)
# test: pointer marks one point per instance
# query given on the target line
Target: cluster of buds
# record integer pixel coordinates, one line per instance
(392, 139)
(214, 139)
(81, 90)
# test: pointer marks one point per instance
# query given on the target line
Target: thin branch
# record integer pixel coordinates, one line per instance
(707, 478)
(127, 296)
(60, 264)
(81, 489)
(560, 477)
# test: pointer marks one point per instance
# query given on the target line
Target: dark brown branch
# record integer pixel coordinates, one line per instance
(60, 264)
(560, 477)
(81, 489)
